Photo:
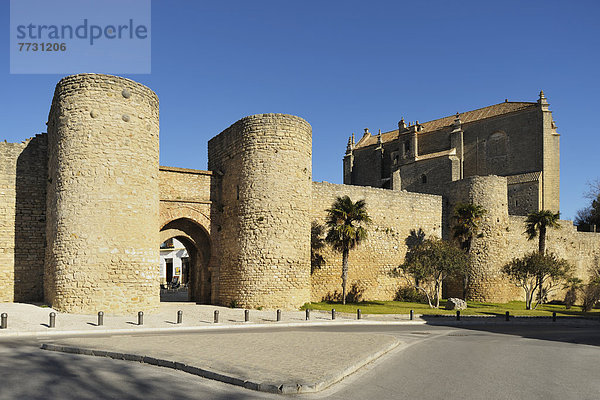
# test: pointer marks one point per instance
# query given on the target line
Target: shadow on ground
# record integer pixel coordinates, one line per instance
(566, 329)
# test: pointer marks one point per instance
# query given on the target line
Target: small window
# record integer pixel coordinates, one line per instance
(423, 178)
(167, 244)
(406, 147)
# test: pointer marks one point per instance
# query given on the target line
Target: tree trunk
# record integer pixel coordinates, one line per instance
(344, 273)
(542, 243)
(528, 297)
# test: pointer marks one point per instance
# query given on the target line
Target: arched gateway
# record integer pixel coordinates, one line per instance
(185, 218)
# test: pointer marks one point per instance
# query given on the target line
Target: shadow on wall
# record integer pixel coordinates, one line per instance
(30, 220)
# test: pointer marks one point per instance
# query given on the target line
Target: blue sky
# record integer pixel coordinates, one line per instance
(348, 65)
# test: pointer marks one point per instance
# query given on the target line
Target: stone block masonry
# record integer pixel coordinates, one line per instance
(394, 214)
(261, 211)
(22, 219)
(102, 201)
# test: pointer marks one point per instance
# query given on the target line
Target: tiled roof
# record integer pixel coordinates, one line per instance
(522, 178)
(465, 118)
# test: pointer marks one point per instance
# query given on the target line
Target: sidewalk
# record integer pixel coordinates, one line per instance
(27, 320)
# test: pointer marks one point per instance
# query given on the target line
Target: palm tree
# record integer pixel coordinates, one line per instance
(345, 222)
(537, 224)
(467, 217)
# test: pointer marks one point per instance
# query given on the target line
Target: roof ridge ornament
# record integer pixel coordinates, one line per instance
(543, 101)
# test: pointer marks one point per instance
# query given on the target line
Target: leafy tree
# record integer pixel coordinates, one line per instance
(537, 273)
(537, 224)
(466, 218)
(573, 286)
(317, 243)
(591, 291)
(588, 216)
(345, 223)
(429, 263)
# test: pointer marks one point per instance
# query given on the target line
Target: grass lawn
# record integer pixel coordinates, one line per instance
(474, 308)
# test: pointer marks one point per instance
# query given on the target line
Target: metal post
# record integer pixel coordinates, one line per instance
(333, 313)
(307, 314)
(4, 322)
(52, 323)
(358, 313)
(216, 316)
(278, 315)
(246, 315)
(553, 316)
(179, 316)
(141, 318)
(458, 315)
(100, 318)
(412, 314)
(508, 316)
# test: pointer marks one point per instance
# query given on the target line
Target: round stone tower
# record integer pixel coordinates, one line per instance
(261, 212)
(102, 203)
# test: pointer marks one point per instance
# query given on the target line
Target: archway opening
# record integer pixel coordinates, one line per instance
(185, 255)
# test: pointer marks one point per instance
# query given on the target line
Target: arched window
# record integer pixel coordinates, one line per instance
(423, 178)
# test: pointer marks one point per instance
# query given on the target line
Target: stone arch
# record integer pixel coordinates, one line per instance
(189, 226)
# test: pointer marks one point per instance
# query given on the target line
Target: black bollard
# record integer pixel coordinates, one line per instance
(412, 314)
(553, 316)
(458, 315)
(278, 315)
(52, 323)
(507, 316)
(307, 314)
(246, 315)
(179, 316)
(358, 314)
(333, 313)
(216, 316)
(4, 321)
(100, 318)
(141, 318)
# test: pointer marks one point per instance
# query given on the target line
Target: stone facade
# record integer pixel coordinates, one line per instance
(102, 202)
(261, 214)
(513, 139)
(394, 214)
(85, 207)
(22, 219)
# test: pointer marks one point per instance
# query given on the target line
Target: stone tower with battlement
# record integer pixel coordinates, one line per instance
(260, 213)
(102, 202)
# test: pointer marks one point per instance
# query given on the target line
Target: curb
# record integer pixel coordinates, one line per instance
(280, 388)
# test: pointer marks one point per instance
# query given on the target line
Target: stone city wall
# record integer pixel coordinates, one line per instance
(102, 203)
(261, 211)
(394, 214)
(23, 172)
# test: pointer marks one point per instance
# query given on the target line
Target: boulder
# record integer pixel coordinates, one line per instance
(455, 304)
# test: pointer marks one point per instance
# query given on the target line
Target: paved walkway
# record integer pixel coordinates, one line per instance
(278, 362)
(30, 320)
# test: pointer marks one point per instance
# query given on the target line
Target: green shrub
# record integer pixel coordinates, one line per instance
(411, 295)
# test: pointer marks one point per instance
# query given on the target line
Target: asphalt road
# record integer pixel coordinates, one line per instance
(477, 362)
